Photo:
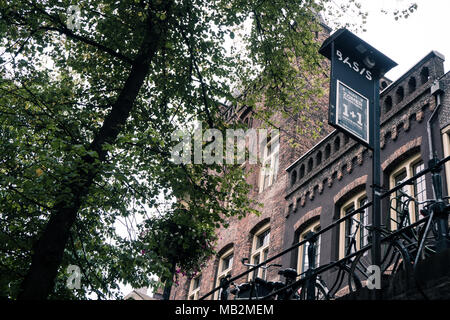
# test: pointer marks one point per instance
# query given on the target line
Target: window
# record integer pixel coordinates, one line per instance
(388, 104)
(224, 269)
(310, 164)
(327, 151)
(424, 75)
(446, 147)
(194, 288)
(364, 219)
(319, 158)
(293, 177)
(303, 261)
(349, 228)
(302, 171)
(337, 144)
(404, 171)
(412, 84)
(269, 169)
(399, 94)
(260, 250)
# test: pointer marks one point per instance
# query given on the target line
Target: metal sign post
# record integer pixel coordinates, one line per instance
(356, 68)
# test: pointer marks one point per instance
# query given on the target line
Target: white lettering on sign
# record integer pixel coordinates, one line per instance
(352, 111)
(354, 65)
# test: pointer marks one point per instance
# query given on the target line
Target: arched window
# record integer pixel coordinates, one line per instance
(310, 164)
(348, 228)
(319, 158)
(399, 94)
(387, 104)
(302, 171)
(194, 288)
(303, 261)
(412, 85)
(260, 250)
(417, 190)
(327, 151)
(224, 269)
(424, 75)
(337, 144)
(293, 177)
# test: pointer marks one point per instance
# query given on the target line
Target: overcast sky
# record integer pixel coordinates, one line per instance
(406, 41)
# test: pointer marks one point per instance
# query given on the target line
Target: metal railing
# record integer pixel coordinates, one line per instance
(406, 240)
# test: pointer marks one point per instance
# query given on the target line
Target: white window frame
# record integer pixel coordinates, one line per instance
(446, 148)
(408, 167)
(354, 201)
(302, 250)
(260, 251)
(194, 292)
(270, 171)
(223, 273)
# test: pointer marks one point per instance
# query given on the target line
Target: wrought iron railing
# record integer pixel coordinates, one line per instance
(402, 248)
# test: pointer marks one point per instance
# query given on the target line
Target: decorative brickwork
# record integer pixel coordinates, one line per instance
(308, 216)
(402, 150)
(360, 181)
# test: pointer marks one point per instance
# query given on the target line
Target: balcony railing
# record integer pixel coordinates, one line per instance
(403, 245)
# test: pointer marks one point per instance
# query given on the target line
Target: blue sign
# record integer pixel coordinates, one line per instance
(352, 111)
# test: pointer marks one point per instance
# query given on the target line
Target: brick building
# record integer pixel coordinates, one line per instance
(316, 184)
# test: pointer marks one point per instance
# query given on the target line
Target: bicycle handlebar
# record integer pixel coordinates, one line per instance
(263, 267)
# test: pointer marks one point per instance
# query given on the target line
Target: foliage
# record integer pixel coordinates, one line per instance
(164, 241)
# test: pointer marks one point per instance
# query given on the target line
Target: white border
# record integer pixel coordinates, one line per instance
(367, 112)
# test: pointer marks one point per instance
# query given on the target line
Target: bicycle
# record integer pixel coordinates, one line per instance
(259, 289)
(256, 288)
(395, 256)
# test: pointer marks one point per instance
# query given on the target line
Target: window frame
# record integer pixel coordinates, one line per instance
(302, 250)
(193, 293)
(261, 251)
(408, 167)
(356, 202)
(446, 148)
(223, 273)
(270, 173)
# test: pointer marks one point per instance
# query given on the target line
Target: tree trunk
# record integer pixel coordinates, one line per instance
(49, 249)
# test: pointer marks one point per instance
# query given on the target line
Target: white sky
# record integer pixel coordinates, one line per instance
(406, 41)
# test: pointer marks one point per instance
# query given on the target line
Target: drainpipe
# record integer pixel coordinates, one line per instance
(439, 219)
(442, 242)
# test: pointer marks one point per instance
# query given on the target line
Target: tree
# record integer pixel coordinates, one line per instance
(89, 97)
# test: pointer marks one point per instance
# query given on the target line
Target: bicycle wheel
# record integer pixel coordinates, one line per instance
(345, 282)
(395, 259)
(320, 292)
(359, 269)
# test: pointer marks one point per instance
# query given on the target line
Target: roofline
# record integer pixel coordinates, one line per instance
(432, 53)
(311, 150)
(401, 78)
